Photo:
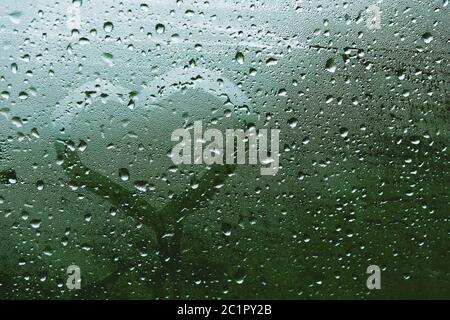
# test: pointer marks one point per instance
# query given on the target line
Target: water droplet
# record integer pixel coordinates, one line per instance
(17, 122)
(271, 62)
(240, 57)
(293, 122)
(226, 229)
(108, 26)
(141, 186)
(108, 58)
(40, 185)
(240, 276)
(194, 183)
(23, 95)
(124, 174)
(330, 66)
(35, 133)
(427, 37)
(35, 223)
(5, 95)
(15, 17)
(14, 68)
(160, 28)
(343, 132)
(84, 41)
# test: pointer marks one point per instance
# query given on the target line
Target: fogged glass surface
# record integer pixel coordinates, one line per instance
(91, 91)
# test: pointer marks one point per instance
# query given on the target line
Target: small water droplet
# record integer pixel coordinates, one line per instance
(141, 186)
(14, 68)
(271, 62)
(293, 122)
(226, 229)
(77, 3)
(40, 185)
(343, 132)
(83, 41)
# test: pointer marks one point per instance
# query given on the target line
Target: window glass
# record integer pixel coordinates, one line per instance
(91, 93)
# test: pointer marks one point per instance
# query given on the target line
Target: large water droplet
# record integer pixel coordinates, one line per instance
(35, 223)
(427, 37)
(108, 26)
(240, 57)
(160, 28)
(330, 66)
(124, 174)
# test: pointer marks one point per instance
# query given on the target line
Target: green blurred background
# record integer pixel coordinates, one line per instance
(364, 120)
